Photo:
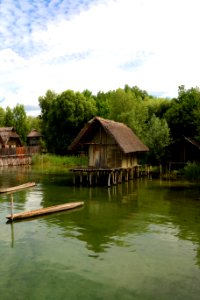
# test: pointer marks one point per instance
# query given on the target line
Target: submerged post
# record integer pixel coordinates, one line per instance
(11, 199)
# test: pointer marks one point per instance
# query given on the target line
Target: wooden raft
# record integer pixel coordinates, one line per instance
(17, 188)
(44, 211)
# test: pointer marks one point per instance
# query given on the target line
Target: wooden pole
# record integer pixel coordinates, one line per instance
(11, 199)
(12, 235)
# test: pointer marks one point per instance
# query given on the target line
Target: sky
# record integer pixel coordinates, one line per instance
(99, 45)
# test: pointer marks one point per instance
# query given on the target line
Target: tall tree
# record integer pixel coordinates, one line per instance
(103, 104)
(63, 115)
(34, 123)
(157, 138)
(8, 117)
(182, 116)
(20, 122)
(125, 107)
(2, 117)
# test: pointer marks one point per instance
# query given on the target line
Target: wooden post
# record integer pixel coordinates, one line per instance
(11, 199)
(114, 177)
(81, 177)
(109, 175)
(90, 178)
(12, 235)
(126, 175)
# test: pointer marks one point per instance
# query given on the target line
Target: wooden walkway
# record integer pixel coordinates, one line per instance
(107, 176)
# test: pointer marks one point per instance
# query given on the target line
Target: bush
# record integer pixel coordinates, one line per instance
(192, 171)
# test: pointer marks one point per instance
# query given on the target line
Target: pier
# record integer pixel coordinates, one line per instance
(107, 176)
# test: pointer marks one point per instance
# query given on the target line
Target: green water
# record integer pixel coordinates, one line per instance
(139, 240)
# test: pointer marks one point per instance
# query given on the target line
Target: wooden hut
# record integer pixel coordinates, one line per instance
(33, 138)
(9, 138)
(184, 150)
(111, 146)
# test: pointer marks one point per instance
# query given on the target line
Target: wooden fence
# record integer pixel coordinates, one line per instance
(20, 151)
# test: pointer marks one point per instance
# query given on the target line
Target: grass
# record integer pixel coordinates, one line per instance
(192, 171)
(50, 160)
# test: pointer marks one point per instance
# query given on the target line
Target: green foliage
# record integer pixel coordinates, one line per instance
(17, 118)
(157, 137)
(63, 115)
(183, 114)
(192, 171)
(34, 123)
(103, 104)
(50, 160)
(8, 118)
(129, 107)
(20, 121)
(158, 107)
(2, 117)
(152, 119)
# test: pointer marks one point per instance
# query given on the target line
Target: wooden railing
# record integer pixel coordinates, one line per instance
(20, 151)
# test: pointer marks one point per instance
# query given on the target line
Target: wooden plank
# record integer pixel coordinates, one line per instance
(43, 211)
(18, 187)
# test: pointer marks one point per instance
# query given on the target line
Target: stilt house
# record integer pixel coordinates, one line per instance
(33, 138)
(9, 138)
(184, 150)
(109, 144)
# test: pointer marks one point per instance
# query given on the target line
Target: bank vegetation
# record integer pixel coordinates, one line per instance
(157, 121)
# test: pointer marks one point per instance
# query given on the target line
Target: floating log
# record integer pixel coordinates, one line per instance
(17, 188)
(44, 211)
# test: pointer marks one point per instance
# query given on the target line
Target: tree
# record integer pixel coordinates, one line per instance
(103, 104)
(17, 118)
(34, 123)
(125, 107)
(157, 138)
(2, 117)
(63, 115)
(20, 121)
(182, 116)
(8, 118)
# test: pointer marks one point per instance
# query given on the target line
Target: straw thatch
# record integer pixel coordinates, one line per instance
(124, 137)
(9, 136)
(34, 133)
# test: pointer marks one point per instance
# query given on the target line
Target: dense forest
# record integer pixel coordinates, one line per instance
(157, 121)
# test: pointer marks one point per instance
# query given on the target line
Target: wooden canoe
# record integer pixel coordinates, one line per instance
(17, 188)
(44, 211)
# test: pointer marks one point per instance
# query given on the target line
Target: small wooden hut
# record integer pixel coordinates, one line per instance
(111, 146)
(9, 138)
(33, 138)
(184, 150)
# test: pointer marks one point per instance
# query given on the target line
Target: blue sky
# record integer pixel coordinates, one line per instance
(98, 45)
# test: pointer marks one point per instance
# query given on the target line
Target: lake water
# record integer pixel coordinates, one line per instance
(138, 240)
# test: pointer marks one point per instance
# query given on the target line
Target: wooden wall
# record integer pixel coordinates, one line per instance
(105, 153)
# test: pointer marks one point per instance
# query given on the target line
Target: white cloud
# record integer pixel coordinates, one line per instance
(98, 45)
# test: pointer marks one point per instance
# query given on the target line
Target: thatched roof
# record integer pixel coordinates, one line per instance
(34, 133)
(7, 133)
(193, 142)
(124, 137)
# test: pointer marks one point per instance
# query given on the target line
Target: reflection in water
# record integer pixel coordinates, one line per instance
(12, 234)
(137, 240)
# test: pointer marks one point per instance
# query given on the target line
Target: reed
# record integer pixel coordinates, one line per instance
(48, 160)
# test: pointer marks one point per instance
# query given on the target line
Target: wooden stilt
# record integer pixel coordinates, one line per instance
(120, 176)
(81, 177)
(90, 179)
(74, 179)
(114, 178)
(126, 175)
(109, 176)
